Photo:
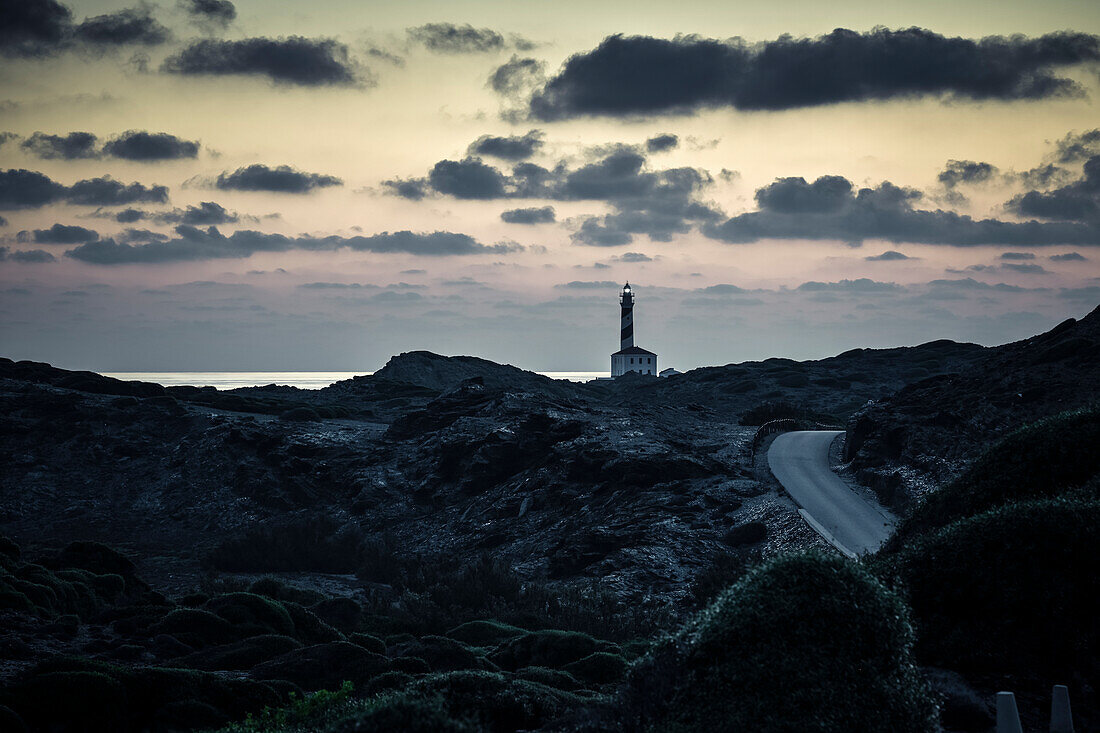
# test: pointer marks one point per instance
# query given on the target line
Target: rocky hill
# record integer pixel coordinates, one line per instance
(932, 428)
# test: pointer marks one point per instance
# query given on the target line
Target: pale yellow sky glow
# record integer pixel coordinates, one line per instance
(542, 301)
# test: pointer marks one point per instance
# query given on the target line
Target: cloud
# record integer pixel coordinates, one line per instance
(206, 213)
(335, 286)
(3, 222)
(1026, 269)
(26, 256)
(23, 189)
(587, 285)
(888, 256)
(1017, 255)
(1078, 146)
(105, 191)
(64, 234)
(74, 146)
(194, 244)
(1089, 293)
(516, 147)
(965, 171)
(970, 284)
(130, 236)
(454, 39)
(129, 216)
(794, 209)
(467, 179)
(33, 27)
(859, 285)
(210, 14)
(413, 189)
(130, 26)
(661, 143)
(1078, 201)
(633, 257)
(281, 179)
(721, 289)
(140, 145)
(293, 60)
(1069, 257)
(517, 76)
(640, 75)
(534, 215)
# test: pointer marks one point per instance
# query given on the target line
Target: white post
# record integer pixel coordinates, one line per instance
(1061, 719)
(1008, 718)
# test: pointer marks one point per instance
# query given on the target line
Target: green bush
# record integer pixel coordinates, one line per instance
(252, 614)
(555, 678)
(368, 642)
(547, 648)
(196, 627)
(1042, 460)
(802, 642)
(1011, 591)
(443, 654)
(403, 712)
(307, 544)
(323, 665)
(485, 633)
(496, 703)
(242, 655)
(600, 668)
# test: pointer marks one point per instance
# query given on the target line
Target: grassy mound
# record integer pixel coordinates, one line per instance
(803, 642)
(1043, 460)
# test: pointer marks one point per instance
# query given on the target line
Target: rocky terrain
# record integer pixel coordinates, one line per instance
(262, 536)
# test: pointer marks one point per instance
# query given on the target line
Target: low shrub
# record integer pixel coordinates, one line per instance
(239, 655)
(323, 666)
(306, 544)
(600, 668)
(548, 648)
(485, 633)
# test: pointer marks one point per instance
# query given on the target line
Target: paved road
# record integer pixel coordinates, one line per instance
(800, 461)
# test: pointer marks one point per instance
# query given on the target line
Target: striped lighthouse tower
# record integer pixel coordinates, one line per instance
(630, 358)
(626, 330)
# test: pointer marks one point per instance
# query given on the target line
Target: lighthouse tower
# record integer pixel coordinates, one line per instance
(630, 358)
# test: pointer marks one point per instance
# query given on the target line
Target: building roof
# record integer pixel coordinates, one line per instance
(632, 350)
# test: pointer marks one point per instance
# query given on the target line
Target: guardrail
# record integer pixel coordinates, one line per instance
(784, 425)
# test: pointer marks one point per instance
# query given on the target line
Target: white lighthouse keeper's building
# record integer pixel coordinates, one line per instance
(630, 358)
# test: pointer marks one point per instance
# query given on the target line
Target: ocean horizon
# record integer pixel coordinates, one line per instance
(302, 380)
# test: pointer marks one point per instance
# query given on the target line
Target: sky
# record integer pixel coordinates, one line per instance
(265, 185)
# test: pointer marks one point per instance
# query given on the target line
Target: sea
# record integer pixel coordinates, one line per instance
(302, 380)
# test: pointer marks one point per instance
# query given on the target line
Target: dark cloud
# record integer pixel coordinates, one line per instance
(6, 136)
(1044, 176)
(74, 146)
(451, 38)
(1078, 146)
(140, 145)
(661, 143)
(25, 256)
(966, 171)
(1069, 257)
(1017, 255)
(597, 234)
(859, 285)
(413, 189)
(970, 284)
(633, 257)
(640, 75)
(211, 13)
(515, 147)
(141, 236)
(888, 256)
(193, 244)
(795, 196)
(3, 222)
(467, 179)
(885, 212)
(105, 191)
(587, 285)
(129, 216)
(387, 56)
(65, 234)
(1078, 201)
(205, 214)
(335, 286)
(721, 289)
(33, 27)
(130, 26)
(516, 76)
(23, 189)
(293, 60)
(1026, 269)
(282, 179)
(534, 215)
(1089, 293)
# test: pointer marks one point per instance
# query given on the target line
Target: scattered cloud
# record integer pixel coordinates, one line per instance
(210, 14)
(281, 179)
(888, 256)
(1069, 257)
(146, 146)
(641, 75)
(517, 77)
(858, 286)
(661, 143)
(456, 39)
(515, 147)
(1078, 146)
(294, 60)
(25, 256)
(534, 215)
(24, 189)
(828, 208)
(966, 171)
(467, 179)
(73, 146)
(192, 244)
(64, 234)
(1079, 201)
(1024, 268)
(587, 285)
(1017, 255)
(38, 28)
(633, 257)
(129, 26)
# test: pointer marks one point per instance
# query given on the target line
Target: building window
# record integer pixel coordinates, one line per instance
(632, 360)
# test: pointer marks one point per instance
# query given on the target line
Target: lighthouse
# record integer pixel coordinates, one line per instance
(630, 358)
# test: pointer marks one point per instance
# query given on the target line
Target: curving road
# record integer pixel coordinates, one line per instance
(800, 461)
